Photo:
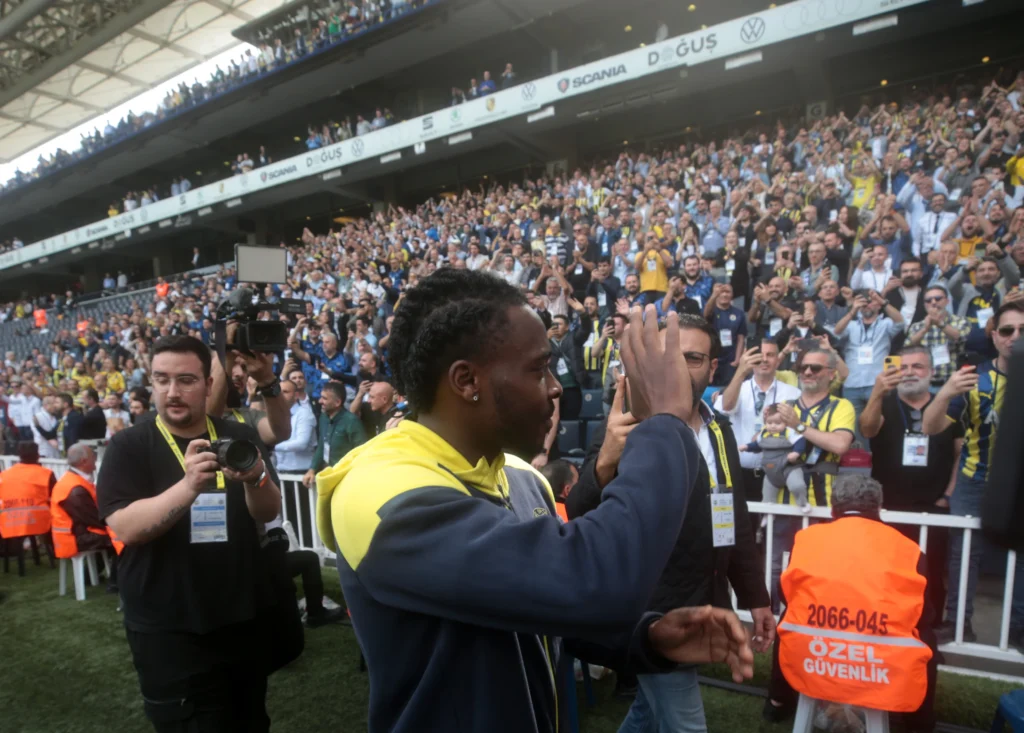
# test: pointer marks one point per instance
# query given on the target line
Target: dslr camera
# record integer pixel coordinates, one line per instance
(238, 454)
(237, 318)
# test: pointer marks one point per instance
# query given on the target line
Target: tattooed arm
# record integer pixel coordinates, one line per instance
(143, 520)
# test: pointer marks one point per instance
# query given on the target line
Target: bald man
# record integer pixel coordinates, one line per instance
(372, 405)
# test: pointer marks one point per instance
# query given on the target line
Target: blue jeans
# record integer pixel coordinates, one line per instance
(667, 703)
(859, 397)
(966, 500)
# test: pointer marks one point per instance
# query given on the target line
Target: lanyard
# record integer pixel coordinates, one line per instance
(903, 414)
(238, 416)
(753, 395)
(723, 459)
(177, 451)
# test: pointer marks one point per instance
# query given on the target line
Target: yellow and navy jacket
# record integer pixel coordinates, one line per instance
(461, 579)
(979, 409)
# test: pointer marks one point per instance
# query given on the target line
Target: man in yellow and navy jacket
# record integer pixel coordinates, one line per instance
(459, 577)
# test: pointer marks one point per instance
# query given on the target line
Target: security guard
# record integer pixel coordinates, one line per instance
(74, 513)
(857, 626)
(25, 495)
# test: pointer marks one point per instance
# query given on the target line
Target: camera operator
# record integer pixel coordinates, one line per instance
(195, 587)
(273, 423)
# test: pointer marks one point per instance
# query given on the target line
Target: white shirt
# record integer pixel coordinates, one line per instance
(745, 420)
(22, 408)
(296, 453)
(927, 235)
(46, 422)
(870, 279)
(909, 304)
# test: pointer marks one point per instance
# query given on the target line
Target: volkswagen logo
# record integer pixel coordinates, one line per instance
(357, 147)
(529, 91)
(752, 30)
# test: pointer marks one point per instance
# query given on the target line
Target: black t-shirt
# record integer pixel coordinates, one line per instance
(373, 422)
(908, 487)
(170, 584)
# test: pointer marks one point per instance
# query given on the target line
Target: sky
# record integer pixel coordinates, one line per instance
(145, 102)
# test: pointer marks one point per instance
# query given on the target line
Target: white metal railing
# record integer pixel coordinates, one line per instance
(299, 508)
(1001, 652)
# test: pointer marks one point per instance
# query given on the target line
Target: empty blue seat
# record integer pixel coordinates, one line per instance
(592, 407)
(568, 435)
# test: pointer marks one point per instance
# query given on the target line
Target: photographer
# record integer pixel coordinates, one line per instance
(194, 585)
(274, 423)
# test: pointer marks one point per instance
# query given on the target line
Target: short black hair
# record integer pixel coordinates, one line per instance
(1013, 305)
(184, 345)
(335, 388)
(91, 394)
(912, 260)
(450, 315)
(66, 399)
(559, 474)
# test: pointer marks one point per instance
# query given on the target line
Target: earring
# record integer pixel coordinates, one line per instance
(476, 398)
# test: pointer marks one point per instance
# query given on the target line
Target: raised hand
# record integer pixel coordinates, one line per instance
(659, 381)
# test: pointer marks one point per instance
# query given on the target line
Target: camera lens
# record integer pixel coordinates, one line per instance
(238, 455)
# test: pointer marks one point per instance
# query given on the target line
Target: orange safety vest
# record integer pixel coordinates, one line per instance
(561, 511)
(64, 542)
(25, 500)
(40, 316)
(854, 597)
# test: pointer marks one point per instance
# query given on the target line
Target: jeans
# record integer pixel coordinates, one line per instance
(667, 703)
(859, 397)
(966, 500)
(783, 533)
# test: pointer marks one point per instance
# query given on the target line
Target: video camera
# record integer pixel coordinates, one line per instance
(242, 308)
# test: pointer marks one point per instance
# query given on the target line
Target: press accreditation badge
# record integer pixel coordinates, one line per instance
(940, 355)
(209, 519)
(915, 450)
(865, 355)
(726, 337)
(651, 266)
(774, 326)
(562, 368)
(723, 520)
(983, 315)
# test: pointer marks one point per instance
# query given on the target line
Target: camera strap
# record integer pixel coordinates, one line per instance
(177, 451)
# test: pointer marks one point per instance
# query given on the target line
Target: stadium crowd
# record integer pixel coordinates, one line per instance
(290, 44)
(857, 282)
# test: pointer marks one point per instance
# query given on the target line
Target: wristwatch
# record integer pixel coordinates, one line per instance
(271, 390)
(801, 428)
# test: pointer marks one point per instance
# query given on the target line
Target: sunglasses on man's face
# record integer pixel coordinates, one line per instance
(1008, 331)
(935, 299)
(814, 368)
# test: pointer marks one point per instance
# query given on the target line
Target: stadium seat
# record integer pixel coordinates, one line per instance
(78, 564)
(592, 407)
(1010, 710)
(568, 435)
(877, 721)
(592, 426)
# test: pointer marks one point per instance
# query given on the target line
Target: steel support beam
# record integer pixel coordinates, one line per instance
(22, 14)
(82, 48)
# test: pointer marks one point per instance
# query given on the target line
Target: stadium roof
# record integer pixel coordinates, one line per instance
(64, 62)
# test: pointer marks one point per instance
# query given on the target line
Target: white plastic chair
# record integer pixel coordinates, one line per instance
(78, 564)
(877, 721)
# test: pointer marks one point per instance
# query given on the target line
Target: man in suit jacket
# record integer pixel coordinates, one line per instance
(94, 422)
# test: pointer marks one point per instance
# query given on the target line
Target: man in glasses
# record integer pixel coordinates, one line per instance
(192, 576)
(942, 333)
(705, 560)
(917, 471)
(975, 395)
(827, 423)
